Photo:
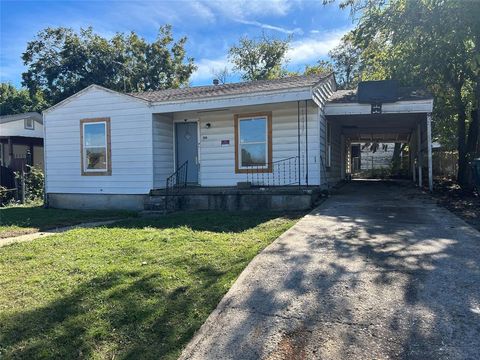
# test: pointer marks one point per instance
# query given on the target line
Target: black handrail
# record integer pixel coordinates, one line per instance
(276, 173)
(175, 182)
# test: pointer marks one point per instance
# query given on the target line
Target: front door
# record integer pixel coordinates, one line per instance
(186, 144)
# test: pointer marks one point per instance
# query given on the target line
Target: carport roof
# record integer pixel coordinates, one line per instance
(404, 94)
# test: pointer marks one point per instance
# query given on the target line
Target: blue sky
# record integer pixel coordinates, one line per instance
(211, 26)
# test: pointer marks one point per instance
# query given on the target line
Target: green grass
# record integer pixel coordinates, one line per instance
(18, 220)
(136, 289)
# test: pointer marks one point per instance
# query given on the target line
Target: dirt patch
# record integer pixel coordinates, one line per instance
(464, 204)
(292, 346)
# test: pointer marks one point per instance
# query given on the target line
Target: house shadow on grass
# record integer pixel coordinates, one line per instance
(212, 221)
(122, 314)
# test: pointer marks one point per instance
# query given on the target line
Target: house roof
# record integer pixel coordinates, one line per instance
(210, 91)
(30, 115)
(404, 94)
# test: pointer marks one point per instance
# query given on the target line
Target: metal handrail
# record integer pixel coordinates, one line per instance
(284, 172)
(176, 181)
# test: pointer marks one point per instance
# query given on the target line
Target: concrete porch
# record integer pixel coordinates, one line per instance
(291, 198)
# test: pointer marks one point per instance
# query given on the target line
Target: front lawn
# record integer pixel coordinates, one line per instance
(18, 220)
(136, 289)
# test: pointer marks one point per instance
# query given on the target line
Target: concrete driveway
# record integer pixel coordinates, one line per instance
(378, 271)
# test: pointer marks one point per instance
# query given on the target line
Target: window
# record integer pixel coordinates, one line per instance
(29, 124)
(328, 147)
(95, 142)
(253, 142)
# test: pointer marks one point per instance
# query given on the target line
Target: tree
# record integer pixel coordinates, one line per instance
(259, 59)
(61, 62)
(221, 75)
(322, 67)
(14, 101)
(430, 43)
(346, 61)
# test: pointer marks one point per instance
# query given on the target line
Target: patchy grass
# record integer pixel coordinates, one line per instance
(136, 289)
(19, 220)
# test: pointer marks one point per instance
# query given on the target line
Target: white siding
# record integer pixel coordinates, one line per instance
(162, 149)
(17, 128)
(217, 162)
(131, 141)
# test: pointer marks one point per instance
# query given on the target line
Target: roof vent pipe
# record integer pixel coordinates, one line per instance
(216, 82)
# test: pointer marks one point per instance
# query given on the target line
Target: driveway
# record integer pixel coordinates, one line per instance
(378, 271)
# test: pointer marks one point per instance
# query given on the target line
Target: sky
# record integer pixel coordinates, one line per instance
(212, 26)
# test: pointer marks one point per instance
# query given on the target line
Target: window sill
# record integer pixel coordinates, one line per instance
(95, 173)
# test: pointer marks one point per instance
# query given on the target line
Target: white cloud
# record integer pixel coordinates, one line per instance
(271, 27)
(242, 9)
(311, 49)
(205, 67)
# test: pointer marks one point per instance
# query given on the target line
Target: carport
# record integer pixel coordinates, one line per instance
(379, 111)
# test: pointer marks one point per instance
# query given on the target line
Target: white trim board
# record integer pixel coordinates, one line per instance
(411, 106)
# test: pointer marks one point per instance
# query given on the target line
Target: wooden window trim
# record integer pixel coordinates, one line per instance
(236, 119)
(108, 172)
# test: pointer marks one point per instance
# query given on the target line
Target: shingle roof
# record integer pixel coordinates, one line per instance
(30, 115)
(404, 93)
(199, 92)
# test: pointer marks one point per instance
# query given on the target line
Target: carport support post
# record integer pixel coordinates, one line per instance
(429, 151)
(419, 154)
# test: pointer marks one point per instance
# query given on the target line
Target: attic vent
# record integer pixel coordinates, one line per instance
(377, 92)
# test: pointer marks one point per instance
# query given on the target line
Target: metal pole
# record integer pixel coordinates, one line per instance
(298, 140)
(306, 141)
(429, 151)
(419, 152)
(23, 186)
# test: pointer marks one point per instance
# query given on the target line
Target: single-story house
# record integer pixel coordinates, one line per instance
(21, 140)
(271, 143)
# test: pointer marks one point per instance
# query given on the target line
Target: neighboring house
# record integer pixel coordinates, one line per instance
(286, 138)
(21, 140)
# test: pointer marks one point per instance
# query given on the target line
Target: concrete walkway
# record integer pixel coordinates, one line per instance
(377, 272)
(41, 234)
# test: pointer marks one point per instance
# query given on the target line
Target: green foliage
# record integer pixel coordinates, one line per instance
(135, 289)
(34, 183)
(259, 59)
(61, 62)
(322, 67)
(13, 101)
(346, 62)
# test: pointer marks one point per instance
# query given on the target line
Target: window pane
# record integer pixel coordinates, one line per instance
(253, 154)
(253, 130)
(94, 134)
(96, 158)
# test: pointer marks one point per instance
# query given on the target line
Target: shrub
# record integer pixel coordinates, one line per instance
(34, 183)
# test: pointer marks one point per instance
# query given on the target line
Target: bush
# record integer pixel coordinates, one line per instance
(34, 183)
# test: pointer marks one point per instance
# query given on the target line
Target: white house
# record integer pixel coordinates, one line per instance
(21, 140)
(105, 149)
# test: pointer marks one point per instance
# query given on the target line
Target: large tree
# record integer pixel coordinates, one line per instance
(259, 59)
(431, 43)
(15, 101)
(346, 62)
(61, 62)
